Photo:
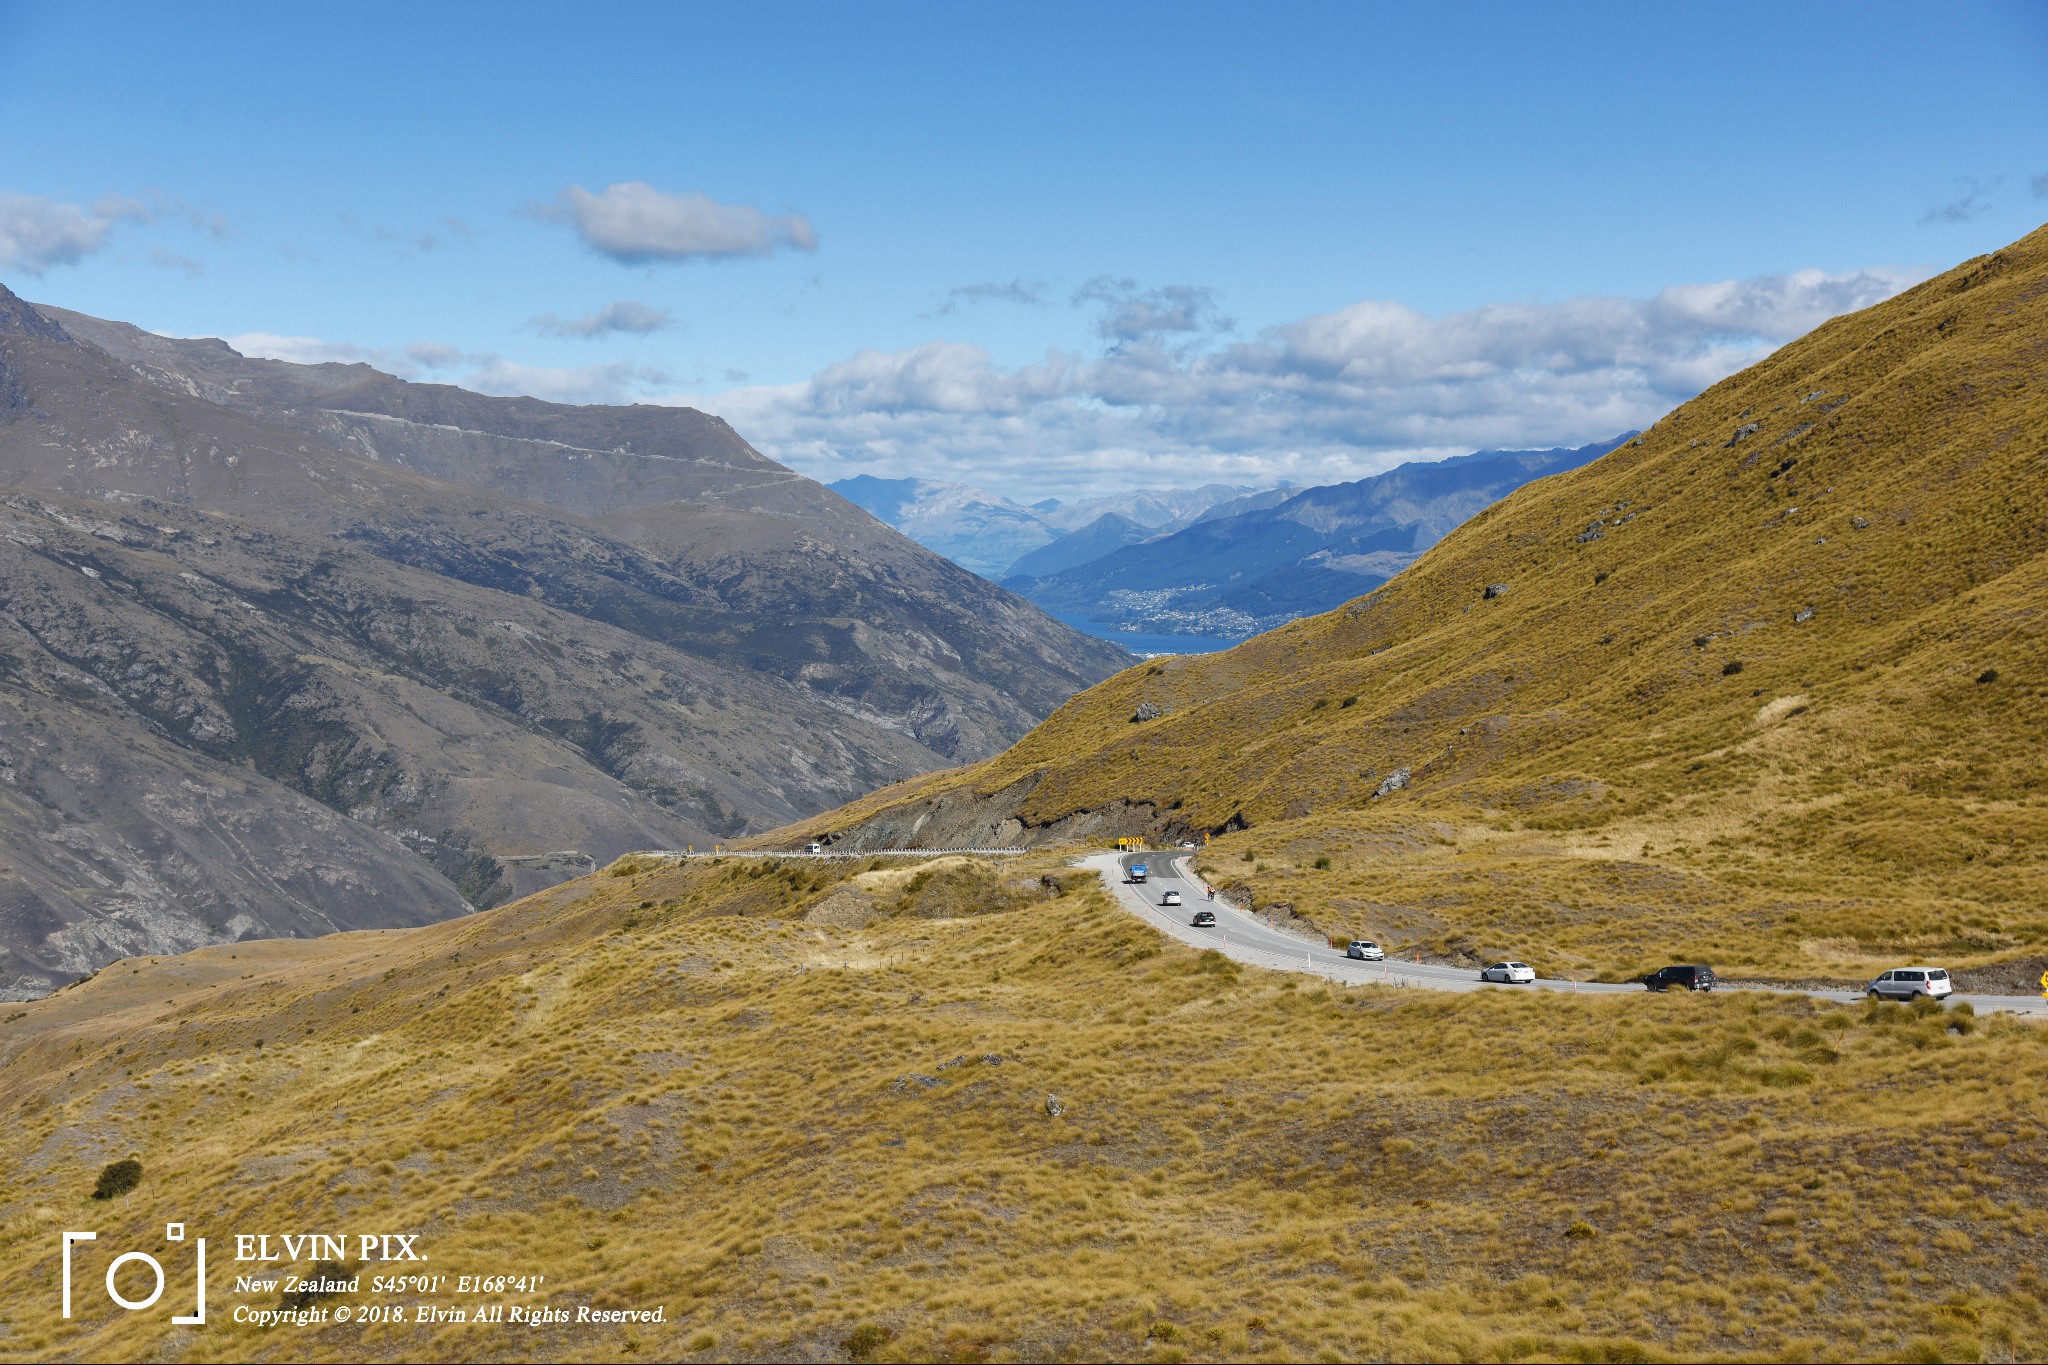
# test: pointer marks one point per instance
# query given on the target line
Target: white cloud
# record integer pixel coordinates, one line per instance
(37, 234)
(937, 377)
(408, 242)
(1020, 291)
(171, 260)
(1329, 397)
(481, 371)
(1972, 201)
(434, 355)
(637, 224)
(615, 382)
(308, 350)
(1133, 314)
(626, 315)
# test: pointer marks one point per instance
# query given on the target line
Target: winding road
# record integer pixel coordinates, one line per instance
(1248, 939)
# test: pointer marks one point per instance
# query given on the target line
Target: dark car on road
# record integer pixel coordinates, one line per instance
(1693, 978)
(1204, 919)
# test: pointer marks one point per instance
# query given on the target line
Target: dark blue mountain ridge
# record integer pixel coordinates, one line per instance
(1105, 535)
(1235, 575)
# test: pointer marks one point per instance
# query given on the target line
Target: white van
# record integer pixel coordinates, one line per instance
(1907, 983)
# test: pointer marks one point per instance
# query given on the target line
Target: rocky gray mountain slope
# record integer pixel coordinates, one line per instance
(254, 682)
(967, 665)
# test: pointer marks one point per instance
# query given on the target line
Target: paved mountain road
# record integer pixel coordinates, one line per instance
(1248, 939)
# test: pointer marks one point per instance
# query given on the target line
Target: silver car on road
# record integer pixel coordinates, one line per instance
(1911, 983)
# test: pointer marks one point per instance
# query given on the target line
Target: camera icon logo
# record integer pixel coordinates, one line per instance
(173, 1232)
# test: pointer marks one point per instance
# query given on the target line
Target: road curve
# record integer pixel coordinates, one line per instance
(1248, 939)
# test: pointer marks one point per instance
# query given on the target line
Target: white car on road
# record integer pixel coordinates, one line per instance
(1911, 983)
(1509, 973)
(1365, 950)
(1170, 898)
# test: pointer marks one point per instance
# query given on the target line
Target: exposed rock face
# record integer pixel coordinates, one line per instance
(116, 841)
(965, 819)
(253, 683)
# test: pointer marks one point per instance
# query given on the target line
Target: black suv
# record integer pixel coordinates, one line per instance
(1700, 978)
(1204, 919)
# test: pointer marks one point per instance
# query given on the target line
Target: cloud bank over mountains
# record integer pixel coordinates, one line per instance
(1330, 397)
(1173, 398)
(1167, 390)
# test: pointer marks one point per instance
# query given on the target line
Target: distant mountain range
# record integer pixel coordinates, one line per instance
(1211, 564)
(981, 532)
(992, 536)
(286, 649)
(1249, 565)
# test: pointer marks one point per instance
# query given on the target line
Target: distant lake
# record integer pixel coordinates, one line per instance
(1141, 643)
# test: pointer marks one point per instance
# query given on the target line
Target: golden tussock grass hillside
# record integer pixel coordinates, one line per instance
(1766, 687)
(662, 1086)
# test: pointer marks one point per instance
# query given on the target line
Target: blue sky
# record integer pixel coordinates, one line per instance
(1041, 248)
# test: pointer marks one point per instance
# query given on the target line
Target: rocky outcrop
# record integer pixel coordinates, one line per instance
(963, 818)
(847, 908)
